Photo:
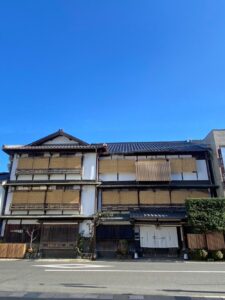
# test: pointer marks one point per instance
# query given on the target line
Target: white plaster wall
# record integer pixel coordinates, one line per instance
(14, 167)
(3, 228)
(73, 177)
(88, 200)
(85, 228)
(11, 222)
(8, 202)
(33, 221)
(36, 212)
(176, 176)
(89, 166)
(70, 212)
(2, 195)
(202, 170)
(19, 212)
(60, 140)
(108, 177)
(40, 177)
(54, 212)
(189, 176)
(24, 177)
(57, 177)
(127, 176)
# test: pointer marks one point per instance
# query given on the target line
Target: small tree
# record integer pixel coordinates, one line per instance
(206, 214)
(33, 234)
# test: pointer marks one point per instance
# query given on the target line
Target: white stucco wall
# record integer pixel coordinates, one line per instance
(14, 167)
(85, 228)
(88, 200)
(60, 140)
(89, 166)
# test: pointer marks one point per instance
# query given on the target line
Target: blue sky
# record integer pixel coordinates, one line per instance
(115, 70)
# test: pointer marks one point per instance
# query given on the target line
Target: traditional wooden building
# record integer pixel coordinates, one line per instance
(52, 191)
(143, 191)
(137, 191)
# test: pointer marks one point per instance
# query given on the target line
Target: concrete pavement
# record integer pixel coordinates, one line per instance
(132, 280)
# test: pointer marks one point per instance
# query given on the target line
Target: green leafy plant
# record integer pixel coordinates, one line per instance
(199, 254)
(217, 255)
(206, 214)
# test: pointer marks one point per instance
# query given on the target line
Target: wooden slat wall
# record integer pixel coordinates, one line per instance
(153, 170)
(40, 163)
(200, 194)
(196, 241)
(25, 163)
(108, 166)
(110, 197)
(128, 198)
(20, 197)
(71, 197)
(215, 241)
(147, 197)
(54, 197)
(12, 250)
(126, 166)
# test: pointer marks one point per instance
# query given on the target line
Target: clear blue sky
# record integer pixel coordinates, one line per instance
(115, 70)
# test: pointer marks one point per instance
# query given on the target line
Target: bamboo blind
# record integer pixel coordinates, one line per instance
(185, 165)
(179, 196)
(36, 197)
(73, 162)
(128, 198)
(54, 196)
(147, 197)
(108, 166)
(153, 170)
(196, 241)
(162, 197)
(199, 194)
(20, 197)
(126, 166)
(71, 197)
(40, 163)
(188, 165)
(110, 197)
(215, 241)
(25, 163)
(57, 163)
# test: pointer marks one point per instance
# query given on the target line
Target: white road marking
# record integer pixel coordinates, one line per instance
(134, 271)
(72, 266)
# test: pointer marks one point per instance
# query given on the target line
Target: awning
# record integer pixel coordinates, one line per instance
(157, 213)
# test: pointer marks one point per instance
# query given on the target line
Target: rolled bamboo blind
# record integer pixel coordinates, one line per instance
(176, 165)
(179, 196)
(153, 170)
(200, 194)
(188, 165)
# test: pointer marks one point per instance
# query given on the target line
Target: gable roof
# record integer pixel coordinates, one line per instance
(56, 134)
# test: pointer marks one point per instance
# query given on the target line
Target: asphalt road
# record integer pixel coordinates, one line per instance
(133, 280)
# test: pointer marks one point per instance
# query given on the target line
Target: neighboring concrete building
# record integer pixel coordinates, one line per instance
(216, 141)
(59, 183)
(3, 189)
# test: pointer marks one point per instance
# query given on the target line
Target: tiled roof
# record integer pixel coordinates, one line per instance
(155, 147)
(4, 176)
(159, 213)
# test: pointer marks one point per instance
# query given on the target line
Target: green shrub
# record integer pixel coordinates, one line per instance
(217, 255)
(200, 254)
